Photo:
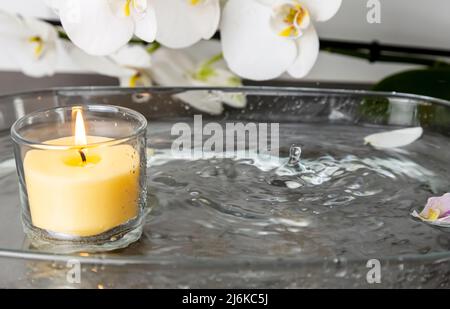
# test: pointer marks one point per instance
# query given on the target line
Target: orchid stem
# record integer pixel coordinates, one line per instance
(387, 58)
(213, 59)
(206, 69)
(152, 47)
(63, 35)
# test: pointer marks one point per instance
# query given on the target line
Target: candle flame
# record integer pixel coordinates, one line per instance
(80, 130)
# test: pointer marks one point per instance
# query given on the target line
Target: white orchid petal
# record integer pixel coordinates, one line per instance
(145, 25)
(119, 7)
(170, 67)
(98, 64)
(322, 10)
(234, 99)
(29, 64)
(126, 8)
(218, 78)
(145, 80)
(289, 20)
(202, 100)
(173, 68)
(35, 59)
(53, 4)
(42, 29)
(164, 74)
(141, 12)
(141, 5)
(12, 27)
(308, 51)
(133, 56)
(93, 26)
(203, 51)
(179, 67)
(181, 24)
(209, 29)
(46, 66)
(305, 21)
(124, 81)
(396, 138)
(271, 2)
(131, 81)
(251, 48)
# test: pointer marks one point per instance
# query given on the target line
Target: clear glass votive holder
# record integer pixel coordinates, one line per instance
(82, 177)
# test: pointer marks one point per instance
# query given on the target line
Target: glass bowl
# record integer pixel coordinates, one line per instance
(245, 220)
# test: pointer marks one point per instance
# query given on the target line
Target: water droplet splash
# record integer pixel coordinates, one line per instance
(295, 152)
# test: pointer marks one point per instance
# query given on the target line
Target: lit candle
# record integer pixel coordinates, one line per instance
(84, 190)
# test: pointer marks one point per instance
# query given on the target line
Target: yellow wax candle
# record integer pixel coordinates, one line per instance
(82, 194)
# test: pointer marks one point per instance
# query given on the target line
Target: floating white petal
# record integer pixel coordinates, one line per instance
(441, 222)
(394, 139)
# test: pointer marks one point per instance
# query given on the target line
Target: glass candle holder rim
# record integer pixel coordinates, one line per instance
(18, 138)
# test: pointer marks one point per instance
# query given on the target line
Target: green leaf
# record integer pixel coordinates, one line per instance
(430, 82)
(433, 82)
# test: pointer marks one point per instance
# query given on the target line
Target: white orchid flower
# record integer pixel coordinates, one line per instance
(137, 61)
(33, 44)
(182, 23)
(130, 64)
(199, 65)
(262, 39)
(101, 27)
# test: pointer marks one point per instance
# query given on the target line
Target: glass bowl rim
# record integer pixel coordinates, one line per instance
(249, 89)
